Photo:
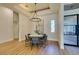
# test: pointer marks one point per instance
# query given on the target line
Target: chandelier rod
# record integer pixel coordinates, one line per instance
(35, 15)
(35, 12)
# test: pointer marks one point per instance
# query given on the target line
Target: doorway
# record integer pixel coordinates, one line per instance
(15, 26)
(71, 30)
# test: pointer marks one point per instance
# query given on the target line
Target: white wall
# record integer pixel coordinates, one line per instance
(24, 26)
(47, 26)
(60, 25)
(6, 24)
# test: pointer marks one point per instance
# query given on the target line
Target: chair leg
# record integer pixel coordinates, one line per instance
(44, 43)
(38, 45)
(31, 46)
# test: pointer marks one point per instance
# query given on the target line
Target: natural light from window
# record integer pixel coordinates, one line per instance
(52, 25)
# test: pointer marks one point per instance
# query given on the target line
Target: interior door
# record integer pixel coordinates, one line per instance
(70, 30)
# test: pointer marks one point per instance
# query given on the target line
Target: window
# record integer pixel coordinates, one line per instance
(52, 25)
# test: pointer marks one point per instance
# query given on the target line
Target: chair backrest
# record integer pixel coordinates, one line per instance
(29, 37)
(26, 39)
(45, 36)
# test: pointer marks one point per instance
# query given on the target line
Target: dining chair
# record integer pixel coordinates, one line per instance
(35, 42)
(43, 40)
(29, 37)
(27, 41)
(30, 40)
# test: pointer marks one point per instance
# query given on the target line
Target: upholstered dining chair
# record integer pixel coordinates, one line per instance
(43, 40)
(27, 41)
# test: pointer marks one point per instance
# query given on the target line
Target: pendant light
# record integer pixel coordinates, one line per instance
(35, 18)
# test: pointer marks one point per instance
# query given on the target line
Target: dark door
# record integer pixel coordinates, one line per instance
(71, 30)
(77, 33)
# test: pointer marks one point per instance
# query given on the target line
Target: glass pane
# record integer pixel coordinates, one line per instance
(70, 23)
(69, 29)
(52, 25)
(70, 20)
(70, 39)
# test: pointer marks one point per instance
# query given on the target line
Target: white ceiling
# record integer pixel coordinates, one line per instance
(27, 7)
(31, 6)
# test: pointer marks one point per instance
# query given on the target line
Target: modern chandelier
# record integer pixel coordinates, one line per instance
(35, 18)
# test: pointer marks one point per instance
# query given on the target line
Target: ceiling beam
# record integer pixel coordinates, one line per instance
(40, 9)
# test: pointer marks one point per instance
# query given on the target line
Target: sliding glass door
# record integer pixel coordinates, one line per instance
(71, 30)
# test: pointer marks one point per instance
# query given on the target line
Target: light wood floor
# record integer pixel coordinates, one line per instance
(18, 48)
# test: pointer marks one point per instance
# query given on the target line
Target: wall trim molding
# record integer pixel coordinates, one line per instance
(6, 41)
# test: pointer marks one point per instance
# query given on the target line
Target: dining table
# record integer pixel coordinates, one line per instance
(35, 38)
(35, 35)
